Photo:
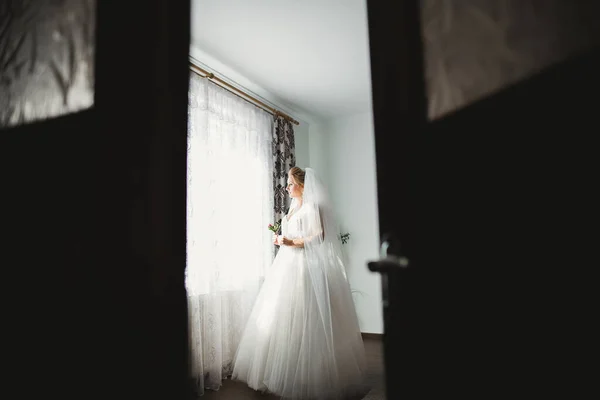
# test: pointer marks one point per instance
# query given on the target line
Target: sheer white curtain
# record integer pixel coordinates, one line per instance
(230, 204)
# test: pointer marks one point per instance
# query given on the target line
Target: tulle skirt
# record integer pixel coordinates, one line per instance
(291, 346)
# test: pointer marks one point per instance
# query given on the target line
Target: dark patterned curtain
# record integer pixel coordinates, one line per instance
(284, 158)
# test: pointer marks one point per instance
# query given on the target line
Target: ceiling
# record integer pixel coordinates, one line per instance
(313, 54)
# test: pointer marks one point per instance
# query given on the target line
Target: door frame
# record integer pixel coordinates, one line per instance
(399, 115)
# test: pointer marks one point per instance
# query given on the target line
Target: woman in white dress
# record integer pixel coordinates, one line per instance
(302, 339)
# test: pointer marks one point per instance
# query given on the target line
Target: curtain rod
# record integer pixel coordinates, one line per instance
(238, 92)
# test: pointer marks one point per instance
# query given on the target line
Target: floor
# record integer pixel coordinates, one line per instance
(239, 391)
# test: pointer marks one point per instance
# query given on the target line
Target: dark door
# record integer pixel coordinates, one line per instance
(483, 212)
(93, 198)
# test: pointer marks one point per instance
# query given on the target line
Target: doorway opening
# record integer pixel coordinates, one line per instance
(274, 85)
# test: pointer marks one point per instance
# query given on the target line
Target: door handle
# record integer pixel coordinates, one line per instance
(387, 260)
(388, 266)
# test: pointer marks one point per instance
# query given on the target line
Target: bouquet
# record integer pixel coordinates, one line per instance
(275, 227)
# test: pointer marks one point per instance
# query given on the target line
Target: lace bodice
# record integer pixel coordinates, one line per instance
(292, 229)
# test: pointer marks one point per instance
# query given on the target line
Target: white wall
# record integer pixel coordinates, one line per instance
(317, 149)
(342, 150)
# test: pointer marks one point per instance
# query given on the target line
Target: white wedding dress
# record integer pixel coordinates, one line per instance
(293, 345)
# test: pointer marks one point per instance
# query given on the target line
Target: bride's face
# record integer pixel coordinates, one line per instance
(294, 190)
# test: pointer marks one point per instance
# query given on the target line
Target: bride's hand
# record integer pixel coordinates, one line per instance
(278, 240)
(285, 241)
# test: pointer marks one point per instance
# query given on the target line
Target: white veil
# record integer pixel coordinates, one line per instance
(322, 242)
(333, 310)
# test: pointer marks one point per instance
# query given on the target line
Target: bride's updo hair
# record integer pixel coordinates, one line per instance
(298, 175)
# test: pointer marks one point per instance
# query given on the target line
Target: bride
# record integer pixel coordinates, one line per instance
(302, 339)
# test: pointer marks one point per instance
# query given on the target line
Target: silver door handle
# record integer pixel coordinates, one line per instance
(388, 261)
(388, 266)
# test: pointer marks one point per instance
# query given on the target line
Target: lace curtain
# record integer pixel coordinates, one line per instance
(230, 204)
(284, 159)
